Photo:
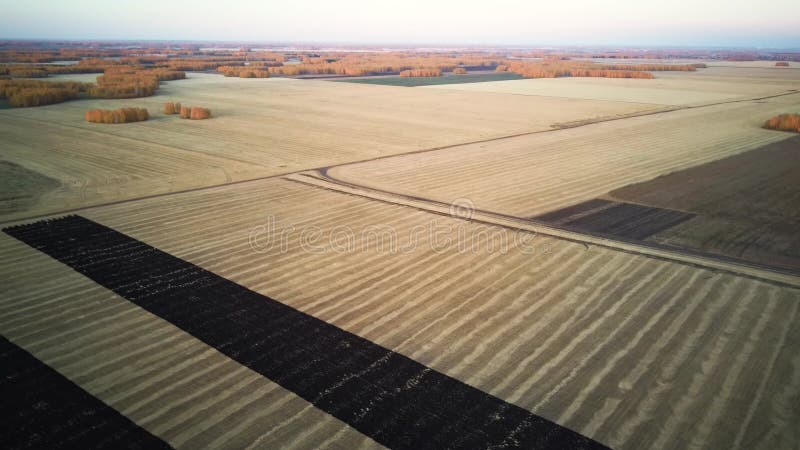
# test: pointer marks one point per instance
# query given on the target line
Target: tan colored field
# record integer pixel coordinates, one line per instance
(631, 346)
(530, 175)
(714, 84)
(261, 128)
(633, 351)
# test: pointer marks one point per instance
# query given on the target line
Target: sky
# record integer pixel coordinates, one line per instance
(640, 23)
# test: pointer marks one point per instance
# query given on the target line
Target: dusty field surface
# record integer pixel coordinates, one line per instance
(713, 84)
(261, 128)
(747, 205)
(629, 350)
(531, 175)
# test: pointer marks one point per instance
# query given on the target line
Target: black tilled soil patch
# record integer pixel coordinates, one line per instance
(564, 215)
(630, 221)
(623, 220)
(398, 402)
(747, 206)
(43, 409)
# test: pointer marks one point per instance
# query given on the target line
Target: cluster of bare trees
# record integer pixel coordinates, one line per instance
(122, 115)
(784, 122)
(127, 82)
(362, 64)
(117, 82)
(21, 93)
(172, 108)
(187, 112)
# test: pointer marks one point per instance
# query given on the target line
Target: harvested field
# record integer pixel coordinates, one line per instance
(298, 273)
(310, 357)
(262, 127)
(623, 348)
(43, 409)
(430, 81)
(747, 206)
(685, 88)
(20, 188)
(530, 175)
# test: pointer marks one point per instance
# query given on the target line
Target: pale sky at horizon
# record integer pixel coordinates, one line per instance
(709, 23)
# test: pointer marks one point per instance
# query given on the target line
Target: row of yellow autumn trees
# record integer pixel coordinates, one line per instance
(127, 115)
(116, 82)
(554, 68)
(131, 82)
(262, 64)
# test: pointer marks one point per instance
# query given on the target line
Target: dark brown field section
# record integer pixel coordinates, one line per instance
(43, 409)
(747, 206)
(389, 397)
(624, 220)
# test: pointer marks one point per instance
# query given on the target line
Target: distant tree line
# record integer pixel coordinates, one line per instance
(555, 68)
(116, 82)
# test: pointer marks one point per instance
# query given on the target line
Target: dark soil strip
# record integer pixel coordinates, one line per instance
(562, 215)
(43, 409)
(630, 221)
(620, 220)
(392, 399)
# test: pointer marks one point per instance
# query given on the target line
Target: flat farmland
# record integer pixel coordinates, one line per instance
(261, 127)
(746, 206)
(297, 272)
(629, 350)
(530, 175)
(714, 84)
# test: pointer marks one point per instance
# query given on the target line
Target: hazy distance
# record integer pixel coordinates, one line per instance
(712, 23)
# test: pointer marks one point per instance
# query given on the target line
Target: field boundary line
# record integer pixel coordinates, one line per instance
(698, 259)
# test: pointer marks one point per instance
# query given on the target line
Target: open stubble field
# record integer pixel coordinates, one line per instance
(530, 175)
(262, 128)
(261, 310)
(629, 350)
